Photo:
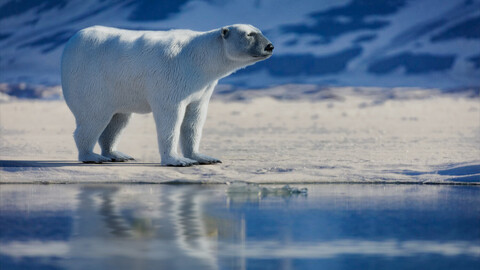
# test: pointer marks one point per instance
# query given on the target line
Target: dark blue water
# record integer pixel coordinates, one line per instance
(208, 227)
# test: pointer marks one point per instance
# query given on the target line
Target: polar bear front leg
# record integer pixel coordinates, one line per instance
(168, 119)
(191, 132)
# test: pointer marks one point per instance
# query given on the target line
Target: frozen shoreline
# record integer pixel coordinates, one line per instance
(336, 135)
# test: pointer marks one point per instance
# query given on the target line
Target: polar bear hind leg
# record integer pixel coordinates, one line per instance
(109, 138)
(86, 135)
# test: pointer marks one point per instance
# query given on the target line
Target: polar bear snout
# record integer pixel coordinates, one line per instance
(261, 50)
(263, 46)
(269, 48)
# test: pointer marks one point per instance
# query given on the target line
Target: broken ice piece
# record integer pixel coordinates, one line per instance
(250, 188)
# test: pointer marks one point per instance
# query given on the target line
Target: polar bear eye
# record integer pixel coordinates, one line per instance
(251, 34)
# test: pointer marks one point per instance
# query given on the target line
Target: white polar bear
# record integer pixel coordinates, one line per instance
(109, 73)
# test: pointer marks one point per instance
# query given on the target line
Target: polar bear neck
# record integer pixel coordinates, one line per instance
(207, 52)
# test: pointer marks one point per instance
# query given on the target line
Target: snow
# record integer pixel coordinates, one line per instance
(285, 134)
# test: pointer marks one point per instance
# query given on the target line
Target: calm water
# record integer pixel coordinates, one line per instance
(206, 227)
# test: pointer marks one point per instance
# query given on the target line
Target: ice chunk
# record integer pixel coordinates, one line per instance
(242, 188)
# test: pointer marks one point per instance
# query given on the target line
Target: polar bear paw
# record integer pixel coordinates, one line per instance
(117, 156)
(93, 158)
(205, 160)
(178, 162)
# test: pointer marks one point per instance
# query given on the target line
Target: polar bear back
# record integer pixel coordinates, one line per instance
(124, 39)
(119, 47)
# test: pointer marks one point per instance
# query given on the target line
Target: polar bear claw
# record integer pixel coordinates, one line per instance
(117, 156)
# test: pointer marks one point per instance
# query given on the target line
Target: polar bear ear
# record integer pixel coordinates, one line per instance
(225, 32)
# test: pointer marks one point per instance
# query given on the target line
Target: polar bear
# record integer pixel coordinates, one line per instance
(109, 73)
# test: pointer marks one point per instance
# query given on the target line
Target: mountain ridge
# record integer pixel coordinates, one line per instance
(349, 42)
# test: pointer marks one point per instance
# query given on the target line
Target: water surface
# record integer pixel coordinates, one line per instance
(206, 227)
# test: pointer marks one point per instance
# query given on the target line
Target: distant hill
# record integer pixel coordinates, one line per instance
(427, 43)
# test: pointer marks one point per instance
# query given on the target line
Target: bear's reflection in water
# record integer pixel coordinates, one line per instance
(168, 224)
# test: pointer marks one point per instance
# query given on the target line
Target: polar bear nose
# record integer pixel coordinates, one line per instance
(269, 47)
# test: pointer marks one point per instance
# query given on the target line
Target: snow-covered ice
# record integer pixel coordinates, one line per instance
(285, 134)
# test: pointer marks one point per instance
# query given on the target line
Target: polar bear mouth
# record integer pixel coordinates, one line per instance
(262, 55)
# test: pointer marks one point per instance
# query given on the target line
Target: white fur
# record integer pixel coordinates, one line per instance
(109, 73)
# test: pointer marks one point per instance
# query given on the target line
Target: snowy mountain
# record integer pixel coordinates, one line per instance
(427, 43)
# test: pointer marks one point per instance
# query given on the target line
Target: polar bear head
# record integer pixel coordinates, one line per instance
(245, 43)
